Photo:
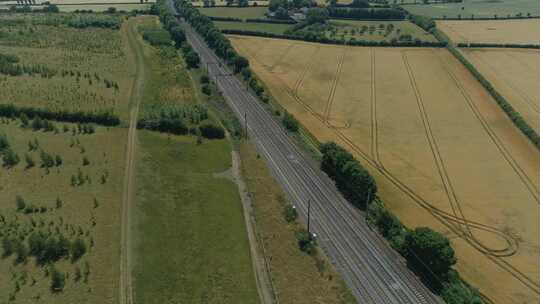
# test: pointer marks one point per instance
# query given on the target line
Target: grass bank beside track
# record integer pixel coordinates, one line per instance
(190, 238)
(297, 276)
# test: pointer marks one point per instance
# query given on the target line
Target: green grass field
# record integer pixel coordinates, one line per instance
(482, 8)
(190, 240)
(235, 12)
(253, 26)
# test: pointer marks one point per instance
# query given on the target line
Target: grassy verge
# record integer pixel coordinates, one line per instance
(192, 242)
(190, 237)
(297, 277)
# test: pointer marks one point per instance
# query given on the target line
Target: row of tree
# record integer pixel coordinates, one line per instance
(499, 45)
(9, 65)
(85, 21)
(351, 178)
(212, 35)
(45, 248)
(322, 38)
(367, 14)
(512, 113)
(106, 118)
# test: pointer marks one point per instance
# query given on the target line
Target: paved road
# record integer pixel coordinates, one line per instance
(374, 272)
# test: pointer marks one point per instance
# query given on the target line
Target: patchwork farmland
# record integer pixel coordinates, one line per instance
(442, 151)
(493, 31)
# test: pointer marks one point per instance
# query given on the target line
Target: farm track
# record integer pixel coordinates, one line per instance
(374, 131)
(126, 288)
(451, 221)
(493, 136)
(519, 275)
(335, 82)
(524, 96)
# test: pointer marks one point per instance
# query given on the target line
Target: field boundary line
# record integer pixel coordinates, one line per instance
(126, 287)
(374, 130)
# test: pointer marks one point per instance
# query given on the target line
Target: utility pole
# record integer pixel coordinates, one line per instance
(245, 125)
(308, 216)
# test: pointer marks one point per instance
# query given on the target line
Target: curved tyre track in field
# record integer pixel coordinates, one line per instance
(126, 288)
(455, 221)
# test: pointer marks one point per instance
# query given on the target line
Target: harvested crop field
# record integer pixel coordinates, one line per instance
(493, 31)
(515, 74)
(443, 153)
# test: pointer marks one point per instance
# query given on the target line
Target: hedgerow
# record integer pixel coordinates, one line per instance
(105, 118)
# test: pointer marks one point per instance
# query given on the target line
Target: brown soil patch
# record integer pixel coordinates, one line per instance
(443, 153)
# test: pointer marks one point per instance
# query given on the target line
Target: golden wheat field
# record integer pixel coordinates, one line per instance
(443, 153)
(515, 73)
(493, 31)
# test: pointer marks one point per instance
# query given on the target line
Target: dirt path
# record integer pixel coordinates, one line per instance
(262, 276)
(126, 292)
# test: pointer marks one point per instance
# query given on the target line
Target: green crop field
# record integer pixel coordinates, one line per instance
(190, 240)
(253, 26)
(478, 8)
(235, 12)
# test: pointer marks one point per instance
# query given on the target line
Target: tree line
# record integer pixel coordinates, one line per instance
(106, 118)
(512, 113)
(181, 120)
(499, 45)
(367, 14)
(320, 38)
(427, 252)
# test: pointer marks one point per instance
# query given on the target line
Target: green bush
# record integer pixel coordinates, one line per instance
(351, 178)
(211, 131)
(58, 280)
(289, 122)
(306, 242)
(157, 37)
(290, 213)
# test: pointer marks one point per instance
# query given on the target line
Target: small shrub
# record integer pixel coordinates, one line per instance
(290, 213)
(211, 131)
(58, 280)
(306, 242)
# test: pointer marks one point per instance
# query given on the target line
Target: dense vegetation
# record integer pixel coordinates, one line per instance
(352, 179)
(105, 118)
(181, 120)
(367, 14)
(499, 45)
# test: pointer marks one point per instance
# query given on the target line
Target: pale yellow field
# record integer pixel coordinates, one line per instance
(443, 153)
(493, 31)
(515, 74)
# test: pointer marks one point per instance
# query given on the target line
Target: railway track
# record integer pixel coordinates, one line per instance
(374, 272)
